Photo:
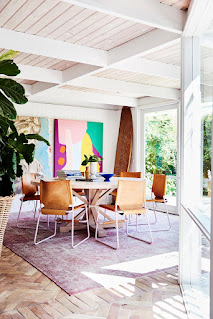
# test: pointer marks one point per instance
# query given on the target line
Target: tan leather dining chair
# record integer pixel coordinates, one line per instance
(127, 174)
(57, 200)
(28, 194)
(158, 194)
(130, 199)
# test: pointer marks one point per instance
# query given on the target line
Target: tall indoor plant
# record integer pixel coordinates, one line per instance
(13, 146)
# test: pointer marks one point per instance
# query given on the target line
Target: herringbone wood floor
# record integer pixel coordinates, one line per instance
(26, 293)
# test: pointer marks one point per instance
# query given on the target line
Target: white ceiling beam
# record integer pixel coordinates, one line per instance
(199, 17)
(28, 89)
(39, 74)
(78, 71)
(149, 67)
(41, 86)
(124, 87)
(150, 102)
(151, 13)
(33, 44)
(143, 45)
(69, 96)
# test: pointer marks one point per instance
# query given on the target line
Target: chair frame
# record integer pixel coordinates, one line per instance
(35, 209)
(55, 227)
(72, 211)
(117, 211)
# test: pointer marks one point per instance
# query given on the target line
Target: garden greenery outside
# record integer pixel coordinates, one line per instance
(161, 147)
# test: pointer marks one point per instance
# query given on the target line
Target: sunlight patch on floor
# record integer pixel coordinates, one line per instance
(110, 281)
(148, 264)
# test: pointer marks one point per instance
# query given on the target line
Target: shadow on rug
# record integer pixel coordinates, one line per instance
(93, 265)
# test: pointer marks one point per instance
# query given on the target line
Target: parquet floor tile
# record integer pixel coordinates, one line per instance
(25, 293)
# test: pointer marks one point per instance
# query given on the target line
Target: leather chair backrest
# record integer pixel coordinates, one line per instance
(56, 195)
(28, 189)
(130, 174)
(159, 185)
(131, 194)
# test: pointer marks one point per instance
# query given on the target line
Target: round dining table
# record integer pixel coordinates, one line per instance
(95, 192)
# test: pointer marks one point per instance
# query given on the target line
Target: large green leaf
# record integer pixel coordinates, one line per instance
(27, 151)
(6, 107)
(9, 55)
(13, 90)
(37, 137)
(3, 123)
(8, 67)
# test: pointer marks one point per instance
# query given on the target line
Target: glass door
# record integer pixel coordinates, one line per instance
(160, 150)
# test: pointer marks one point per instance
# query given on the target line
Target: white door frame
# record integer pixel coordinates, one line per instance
(141, 139)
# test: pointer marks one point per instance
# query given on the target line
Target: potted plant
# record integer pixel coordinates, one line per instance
(93, 160)
(13, 146)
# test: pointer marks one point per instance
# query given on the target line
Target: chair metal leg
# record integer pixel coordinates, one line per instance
(72, 228)
(18, 218)
(36, 232)
(117, 232)
(19, 213)
(167, 213)
(150, 232)
(153, 223)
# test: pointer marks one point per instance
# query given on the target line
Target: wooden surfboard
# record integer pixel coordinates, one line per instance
(124, 144)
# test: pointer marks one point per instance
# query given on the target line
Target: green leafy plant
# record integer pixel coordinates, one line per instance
(13, 146)
(91, 158)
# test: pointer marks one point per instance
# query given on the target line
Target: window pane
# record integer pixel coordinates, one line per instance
(161, 146)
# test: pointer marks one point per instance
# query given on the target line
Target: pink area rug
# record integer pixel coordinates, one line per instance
(93, 265)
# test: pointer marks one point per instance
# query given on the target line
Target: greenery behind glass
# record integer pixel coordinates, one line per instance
(161, 146)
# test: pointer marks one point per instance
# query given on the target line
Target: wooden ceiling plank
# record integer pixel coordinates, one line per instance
(65, 31)
(59, 21)
(101, 31)
(38, 13)
(91, 29)
(3, 4)
(62, 65)
(20, 15)
(9, 10)
(46, 62)
(123, 37)
(86, 25)
(23, 58)
(110, 35)
(50, 16)
(36, 61)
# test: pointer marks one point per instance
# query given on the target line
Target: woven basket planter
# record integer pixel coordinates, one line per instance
(5, 207)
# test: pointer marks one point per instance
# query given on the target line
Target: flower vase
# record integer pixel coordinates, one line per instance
(93, 170)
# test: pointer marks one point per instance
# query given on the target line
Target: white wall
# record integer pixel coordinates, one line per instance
(109, 118)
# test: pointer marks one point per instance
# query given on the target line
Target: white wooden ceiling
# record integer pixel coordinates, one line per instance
(105, 52)
(62, 21)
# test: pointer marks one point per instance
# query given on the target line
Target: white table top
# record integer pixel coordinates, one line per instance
(91, 185)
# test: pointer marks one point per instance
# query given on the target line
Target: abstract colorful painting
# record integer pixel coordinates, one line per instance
(42, 163)
(73, 139)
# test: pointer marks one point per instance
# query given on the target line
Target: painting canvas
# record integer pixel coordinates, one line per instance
(42, 163)
(73, 139)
